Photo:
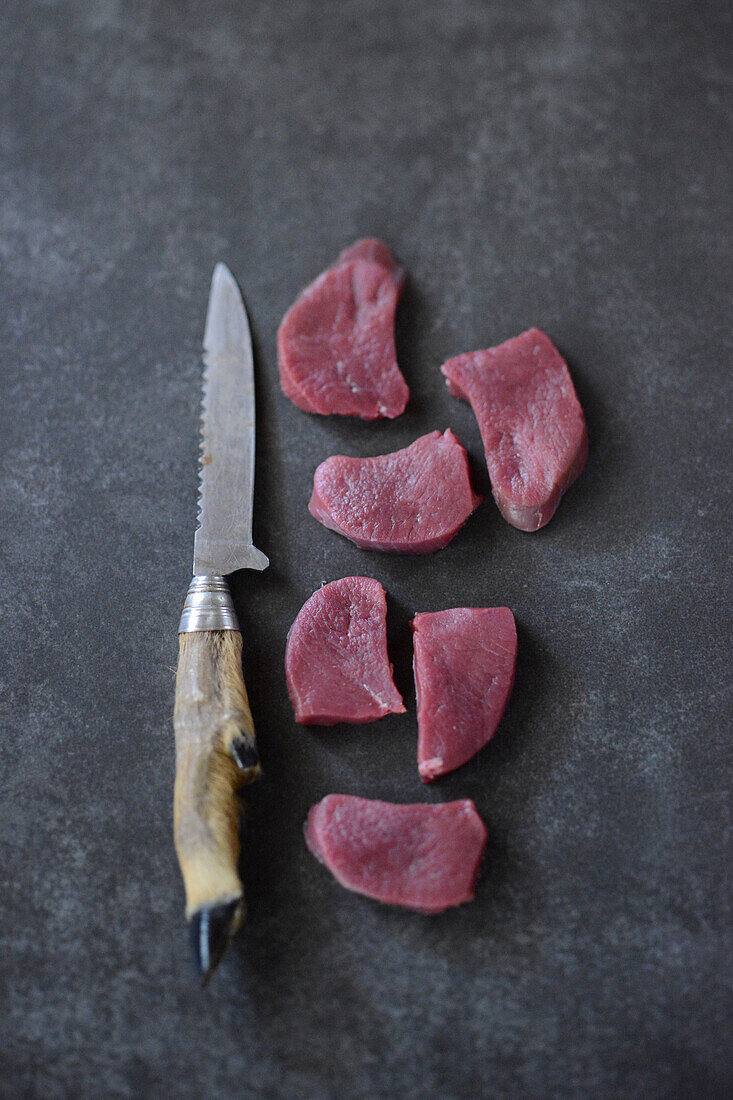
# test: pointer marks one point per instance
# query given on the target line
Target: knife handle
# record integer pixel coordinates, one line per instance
(216, 753)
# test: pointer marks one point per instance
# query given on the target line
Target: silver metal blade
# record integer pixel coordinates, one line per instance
(223, 540)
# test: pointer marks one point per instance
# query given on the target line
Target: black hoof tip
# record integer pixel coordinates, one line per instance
(245, 756)
(211, 931)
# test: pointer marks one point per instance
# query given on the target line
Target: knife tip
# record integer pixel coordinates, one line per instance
(212, 928)
(222, 273)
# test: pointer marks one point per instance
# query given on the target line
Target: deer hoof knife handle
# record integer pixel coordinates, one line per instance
(216, 754)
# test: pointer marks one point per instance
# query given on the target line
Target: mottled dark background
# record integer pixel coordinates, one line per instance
(561, 164)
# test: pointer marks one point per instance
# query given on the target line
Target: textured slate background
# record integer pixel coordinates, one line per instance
(562, 164)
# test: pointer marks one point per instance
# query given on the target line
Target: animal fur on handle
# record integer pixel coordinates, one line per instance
(215, 754)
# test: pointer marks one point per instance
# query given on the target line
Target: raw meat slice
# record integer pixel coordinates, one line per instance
(464, 671)
(420, 856)
(336, 660)
(336, 345)
(412, 501)
(531, 422)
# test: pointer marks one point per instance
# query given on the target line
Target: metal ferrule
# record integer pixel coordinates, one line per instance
(208, 606)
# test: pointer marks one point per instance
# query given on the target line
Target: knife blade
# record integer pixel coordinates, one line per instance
(216, 751)
(223, 541)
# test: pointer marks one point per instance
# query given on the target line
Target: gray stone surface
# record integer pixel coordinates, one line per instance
(561, 164)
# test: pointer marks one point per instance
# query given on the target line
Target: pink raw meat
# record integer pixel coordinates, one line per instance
(336, 342)
(464, 671)
(412, 501)
(531, 422)
(336, 660)
(423, 857)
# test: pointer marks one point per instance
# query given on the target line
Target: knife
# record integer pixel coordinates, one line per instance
(216, 752)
